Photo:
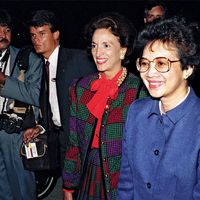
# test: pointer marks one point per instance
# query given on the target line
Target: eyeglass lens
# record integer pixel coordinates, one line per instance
(161, 64)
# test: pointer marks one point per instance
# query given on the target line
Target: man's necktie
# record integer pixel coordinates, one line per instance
(48, 111)
(47, 71)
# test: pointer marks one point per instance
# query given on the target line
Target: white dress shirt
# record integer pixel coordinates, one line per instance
(53, 60)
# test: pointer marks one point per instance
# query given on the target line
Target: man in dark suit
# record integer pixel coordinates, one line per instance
(64, 66)
(15, 181)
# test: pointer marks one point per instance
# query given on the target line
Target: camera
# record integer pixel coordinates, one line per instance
(11, 123)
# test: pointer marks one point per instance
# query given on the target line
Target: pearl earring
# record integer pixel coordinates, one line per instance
(122, 57)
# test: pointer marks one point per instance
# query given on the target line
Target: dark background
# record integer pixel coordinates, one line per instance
(75, 14)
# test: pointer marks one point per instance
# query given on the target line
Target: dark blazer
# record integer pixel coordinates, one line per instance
(72, 64)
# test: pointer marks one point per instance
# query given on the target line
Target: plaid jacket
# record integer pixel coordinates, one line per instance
(82, 126)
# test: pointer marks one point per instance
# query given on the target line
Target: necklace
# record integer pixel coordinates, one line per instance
(121, 77)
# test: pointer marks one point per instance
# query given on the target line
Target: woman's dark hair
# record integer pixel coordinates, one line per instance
(174, 31)
(119, 26)
(40, 18)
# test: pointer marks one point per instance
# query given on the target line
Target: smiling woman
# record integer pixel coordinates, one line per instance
(165, 80)
(161, 127)
(98, 106)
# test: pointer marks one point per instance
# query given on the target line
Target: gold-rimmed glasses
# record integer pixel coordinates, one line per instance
(161, 64)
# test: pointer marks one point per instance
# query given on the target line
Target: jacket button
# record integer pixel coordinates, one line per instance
(107, 191)
(106, 175)
(107, 107)
(156, 152)
(102, 125)
(149, 185)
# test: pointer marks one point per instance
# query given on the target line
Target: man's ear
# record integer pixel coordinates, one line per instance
(56, 35)
(145, 20)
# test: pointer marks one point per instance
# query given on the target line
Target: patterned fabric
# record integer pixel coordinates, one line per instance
(82, 126)
(92, 185)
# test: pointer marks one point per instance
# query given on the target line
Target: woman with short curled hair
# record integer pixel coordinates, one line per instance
(160, 153)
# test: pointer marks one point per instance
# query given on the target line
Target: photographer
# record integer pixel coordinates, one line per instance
(15, 182)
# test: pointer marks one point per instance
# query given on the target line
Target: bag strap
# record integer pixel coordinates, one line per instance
(22, 61)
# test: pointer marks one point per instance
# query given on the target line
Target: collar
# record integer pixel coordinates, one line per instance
(179, 111)
(3, 53)
(160, 108)
(54, 56)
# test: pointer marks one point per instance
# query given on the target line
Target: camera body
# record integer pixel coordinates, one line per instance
(11, 123)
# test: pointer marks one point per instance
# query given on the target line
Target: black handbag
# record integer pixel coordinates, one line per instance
(41, 162)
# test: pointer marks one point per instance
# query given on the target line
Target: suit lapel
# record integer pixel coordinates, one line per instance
(61, 67)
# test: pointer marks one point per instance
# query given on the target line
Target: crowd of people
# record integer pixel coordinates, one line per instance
(111, 134)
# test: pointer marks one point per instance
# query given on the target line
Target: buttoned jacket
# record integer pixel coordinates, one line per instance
(160, 159)
(82, 125)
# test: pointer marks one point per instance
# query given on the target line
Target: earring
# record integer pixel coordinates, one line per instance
(122, 57)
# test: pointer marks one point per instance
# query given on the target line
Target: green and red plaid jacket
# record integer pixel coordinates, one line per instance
(82, 126)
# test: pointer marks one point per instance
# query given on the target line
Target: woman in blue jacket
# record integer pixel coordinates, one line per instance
(161, 146)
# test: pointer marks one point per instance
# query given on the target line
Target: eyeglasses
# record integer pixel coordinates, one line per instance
(161, 64)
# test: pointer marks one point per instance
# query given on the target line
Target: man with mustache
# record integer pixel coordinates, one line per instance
(15, 181)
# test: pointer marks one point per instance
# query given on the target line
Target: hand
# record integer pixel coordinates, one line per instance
(67, 195)
(31, 133)
(2, 78)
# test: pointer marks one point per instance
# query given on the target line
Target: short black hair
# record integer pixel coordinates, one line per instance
(149, 4)
(40, 18)
(5, 18)
(119, 25)
(176, 31)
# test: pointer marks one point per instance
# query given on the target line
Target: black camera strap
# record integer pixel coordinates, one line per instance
(21, 115)
(22, 61)
(4, 63)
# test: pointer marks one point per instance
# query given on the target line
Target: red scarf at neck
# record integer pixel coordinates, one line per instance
(105, 89)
